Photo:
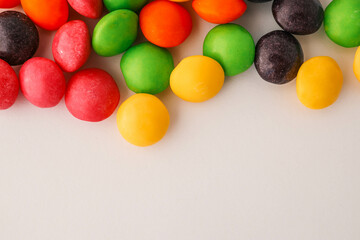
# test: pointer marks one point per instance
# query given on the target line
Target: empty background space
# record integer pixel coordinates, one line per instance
(252, 163)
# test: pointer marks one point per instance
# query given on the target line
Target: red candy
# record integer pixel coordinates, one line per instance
(42, 82)
(71, 46)
(92, 95)
(164, 23)
(9, 3)
(87, 8)
(9, 85)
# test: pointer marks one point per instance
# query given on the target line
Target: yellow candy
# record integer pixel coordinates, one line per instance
(143, 119)
(197, 79)
(319, 82)
(356, 65)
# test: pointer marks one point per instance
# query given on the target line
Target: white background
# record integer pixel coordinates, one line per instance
(252, 163)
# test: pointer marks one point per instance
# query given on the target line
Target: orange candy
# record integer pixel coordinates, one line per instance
(165, 23)
(219, 12)
(47, 14)
(9, 3)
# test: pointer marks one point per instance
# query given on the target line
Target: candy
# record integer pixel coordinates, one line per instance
(19, 38)
(42, 82)
(164, 23)
(356, 65)
(9, 3)
(9, 85)
(143, 120)
(259, 1)
(92, 95)
(298, 16)
(49, 15)
(71, 45)
(115, 33)
(278, 57)
(134, 5)
(216, 11)
(319, 82)
(342, 22)
(232, 46)
(87, 8)
(147, 68)
(197, 79)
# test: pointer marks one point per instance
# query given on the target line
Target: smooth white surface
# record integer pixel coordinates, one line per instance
(252, 163)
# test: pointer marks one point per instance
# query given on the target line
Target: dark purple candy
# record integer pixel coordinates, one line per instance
(278, 57)
(259, 1)
(19, 38)
(300, 17)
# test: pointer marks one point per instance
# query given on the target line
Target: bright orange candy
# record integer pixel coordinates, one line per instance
(165, 23)
(219, 12)
(9, 3)
(47, 14)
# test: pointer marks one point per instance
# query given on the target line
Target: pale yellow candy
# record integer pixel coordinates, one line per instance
(356, 65)
(319, 82)
(143, 119)
(197, 79)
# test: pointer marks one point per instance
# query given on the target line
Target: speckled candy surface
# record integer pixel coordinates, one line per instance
(92, 95)
(19, 38)
(259, 1)
(298, 16)
(147, 68)
(232, 46)
(133, 5)
(9, 85)
(87, 8)
(72, 45)
(115, 32)
(42, 82)
(342, 22)
(278, 57)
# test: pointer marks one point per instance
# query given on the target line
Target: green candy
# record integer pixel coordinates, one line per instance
(342, 22)
(115, 33)
(232, 46)
(134, 5)
(147, 68)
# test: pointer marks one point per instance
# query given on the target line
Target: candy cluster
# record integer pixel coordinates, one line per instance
(148, 68)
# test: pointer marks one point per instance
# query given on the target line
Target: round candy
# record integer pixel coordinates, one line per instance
(319, 82)
(342, 22)
(356, 65)
(87, 8)
(232, 46)
(19, 38)
(42, 82)
(9, 85)
(115, 33)
(147, 68)
(143, 120)
(49, 15)
(92, 95)
(9, 3)
(165, 23)
(278, 57)
(216, 11)
(298, 16)
(197, 79)
(71, 45)
(133, 5)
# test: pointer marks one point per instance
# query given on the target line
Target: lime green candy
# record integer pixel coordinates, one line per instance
(232, 46)
(134, 5)
(115, 32)
(147, 68)
(342, 22)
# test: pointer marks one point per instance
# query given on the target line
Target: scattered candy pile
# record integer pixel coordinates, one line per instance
(148, 68)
